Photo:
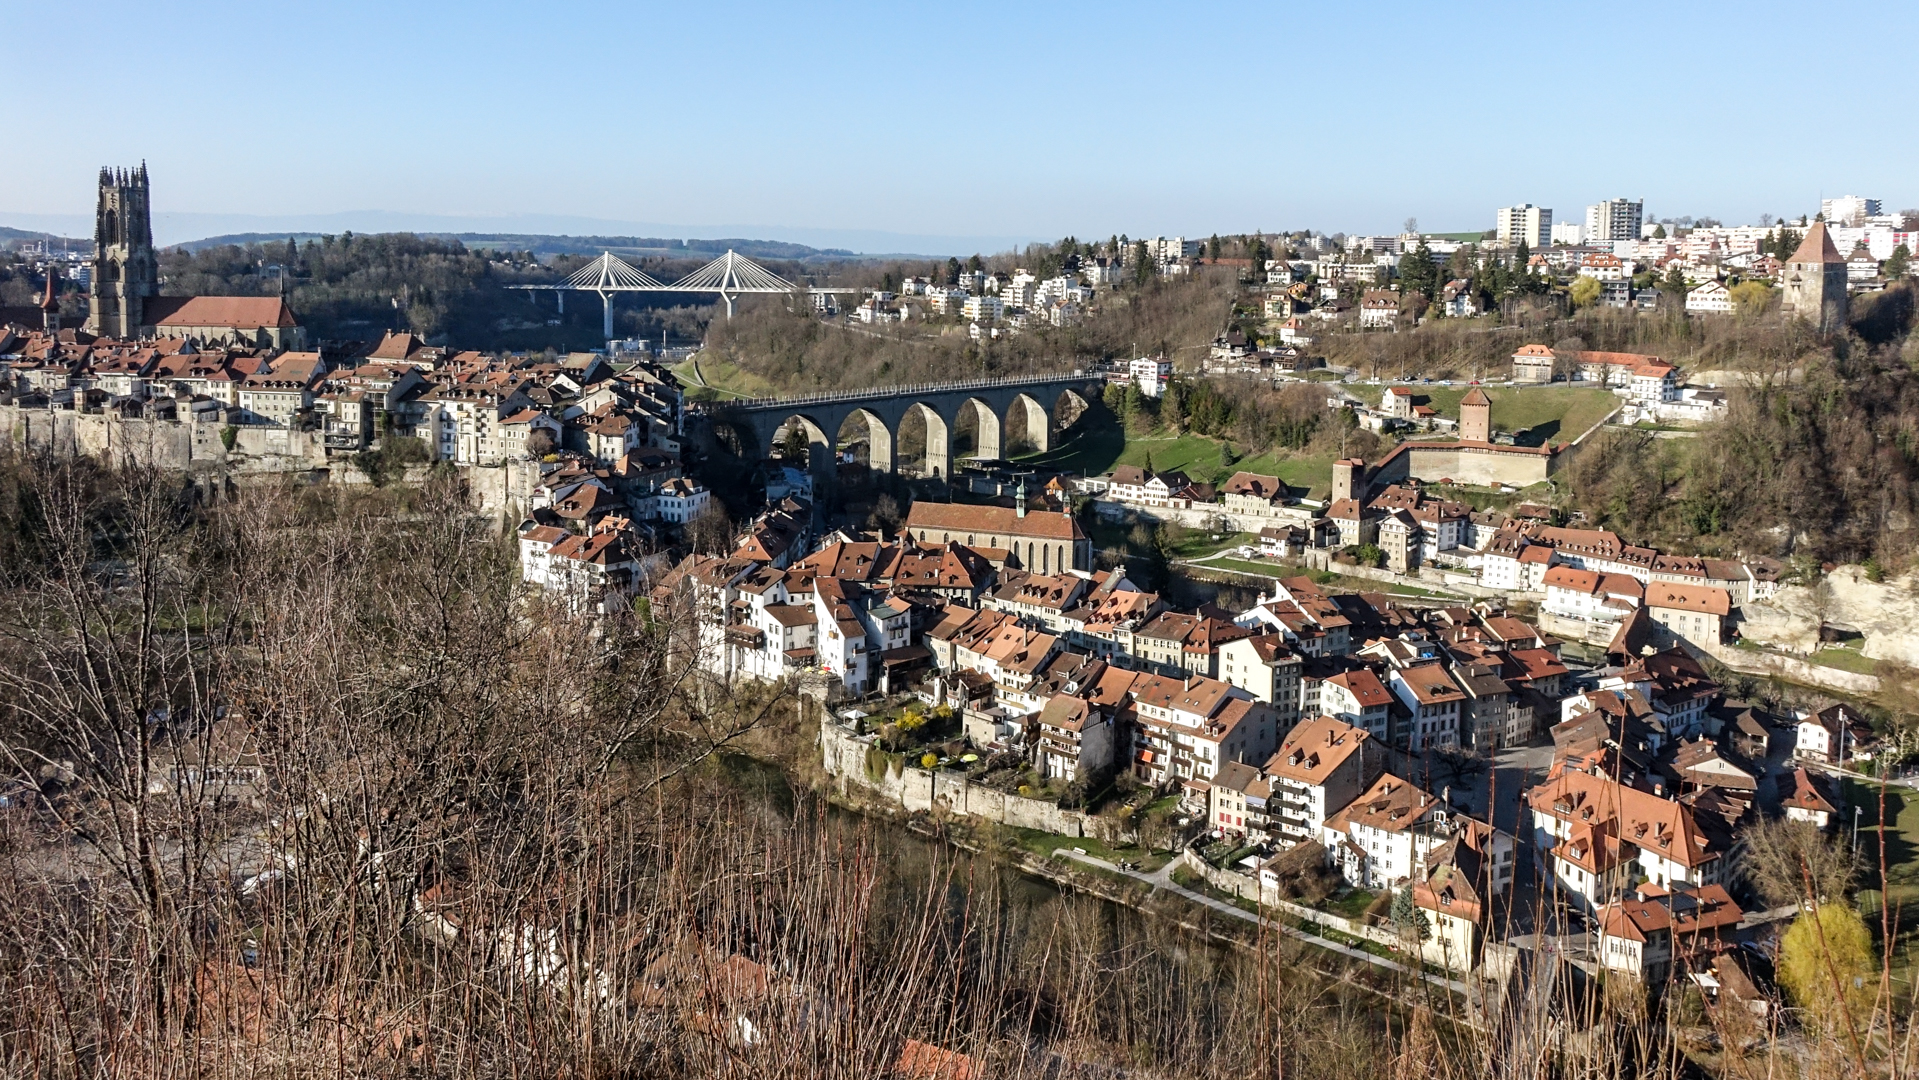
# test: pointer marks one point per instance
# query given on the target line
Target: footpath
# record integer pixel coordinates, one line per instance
(1163, 879)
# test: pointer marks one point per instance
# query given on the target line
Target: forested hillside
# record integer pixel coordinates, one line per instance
(1816, 459)
(794, 351)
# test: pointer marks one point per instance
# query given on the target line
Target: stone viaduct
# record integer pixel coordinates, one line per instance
(879, 413)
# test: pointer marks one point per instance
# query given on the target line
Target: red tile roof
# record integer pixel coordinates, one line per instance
(234, 312)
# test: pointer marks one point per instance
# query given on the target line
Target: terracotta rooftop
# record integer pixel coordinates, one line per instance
(1817, 247)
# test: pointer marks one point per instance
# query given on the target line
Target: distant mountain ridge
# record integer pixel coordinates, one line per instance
(9, 236)
(545, 245)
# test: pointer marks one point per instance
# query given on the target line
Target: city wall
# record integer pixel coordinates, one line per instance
(257, 451)
(857, 766)
(1486, 467)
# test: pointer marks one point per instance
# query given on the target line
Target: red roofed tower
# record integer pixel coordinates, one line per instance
(1815, 281)
(1476, 417)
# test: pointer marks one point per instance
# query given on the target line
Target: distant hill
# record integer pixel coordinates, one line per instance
(14, 237)
(547, 246)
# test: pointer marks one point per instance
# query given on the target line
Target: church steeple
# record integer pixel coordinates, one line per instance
(125, 269)
(50, 305)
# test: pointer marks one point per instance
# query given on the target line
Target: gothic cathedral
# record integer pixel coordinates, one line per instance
(125, 269)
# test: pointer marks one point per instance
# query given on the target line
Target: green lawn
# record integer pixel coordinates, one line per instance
(1902, 868)
(725, 378)
(1334, 582)
(1337, 583)
(1550, 413)
(1048, 845)
(1098, 451)
(1194, 543)
(1845, 659)
(1351, 906)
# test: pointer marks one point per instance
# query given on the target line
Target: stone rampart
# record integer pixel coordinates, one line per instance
(857, 765)
(256, 451)
(185, 445)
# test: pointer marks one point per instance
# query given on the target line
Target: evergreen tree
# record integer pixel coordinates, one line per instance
(952, 271)
(1658, 232)
(1675, 283)
(1212, 247)
(1417, 272)
(1899, 263)
(975, 264)
(1143, 268)
(1407, 915)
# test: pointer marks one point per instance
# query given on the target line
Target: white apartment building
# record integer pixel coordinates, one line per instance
(680, 500)
(1848, 210)
(1320, 766)
(1613, 220)
(1266, 668)
(1150, 374)
(983, 309)
(1358, 698)
(1526, 223)
(1712, 297)
(1020, 291)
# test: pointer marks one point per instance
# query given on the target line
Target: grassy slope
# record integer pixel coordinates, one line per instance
(1096, 452)
(1902, 868)
(1568, 410)
(1558, 413)
(723, 376)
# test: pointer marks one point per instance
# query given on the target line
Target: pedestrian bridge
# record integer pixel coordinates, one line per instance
(1033, 404)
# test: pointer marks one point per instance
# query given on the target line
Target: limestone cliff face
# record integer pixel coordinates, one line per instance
(1886, 613)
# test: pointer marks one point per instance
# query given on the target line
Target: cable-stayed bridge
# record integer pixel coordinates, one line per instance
(730, 275)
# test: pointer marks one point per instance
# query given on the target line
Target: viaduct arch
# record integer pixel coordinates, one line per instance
(881, 412)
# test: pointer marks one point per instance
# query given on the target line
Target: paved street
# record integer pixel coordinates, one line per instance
(1163, 879)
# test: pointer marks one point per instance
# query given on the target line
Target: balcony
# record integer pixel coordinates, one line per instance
(750, 637)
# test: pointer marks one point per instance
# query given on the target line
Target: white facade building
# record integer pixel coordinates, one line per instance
(1526, 223)
(1614, 220)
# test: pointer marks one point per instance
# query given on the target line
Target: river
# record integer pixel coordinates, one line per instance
(1092, 971)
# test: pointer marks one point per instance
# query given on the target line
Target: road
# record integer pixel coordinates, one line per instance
(1163, 879)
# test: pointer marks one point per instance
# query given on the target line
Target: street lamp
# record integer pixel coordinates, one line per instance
(1856, 811)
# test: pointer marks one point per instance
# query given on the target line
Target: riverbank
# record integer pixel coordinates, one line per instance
(949, 808)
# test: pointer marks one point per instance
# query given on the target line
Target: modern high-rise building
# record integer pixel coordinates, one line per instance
(1526, 223)
(1848, 210)
(1614, 219)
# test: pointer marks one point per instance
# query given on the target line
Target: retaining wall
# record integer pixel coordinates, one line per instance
(257, 451)
(1246, 887)
(846, 756)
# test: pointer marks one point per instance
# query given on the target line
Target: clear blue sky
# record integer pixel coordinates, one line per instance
(972, 120)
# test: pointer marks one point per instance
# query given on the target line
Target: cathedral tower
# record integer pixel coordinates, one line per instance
(125, 270)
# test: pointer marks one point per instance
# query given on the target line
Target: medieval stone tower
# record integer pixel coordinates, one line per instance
(1815, 281)
(1476, 417)
(125, 270)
